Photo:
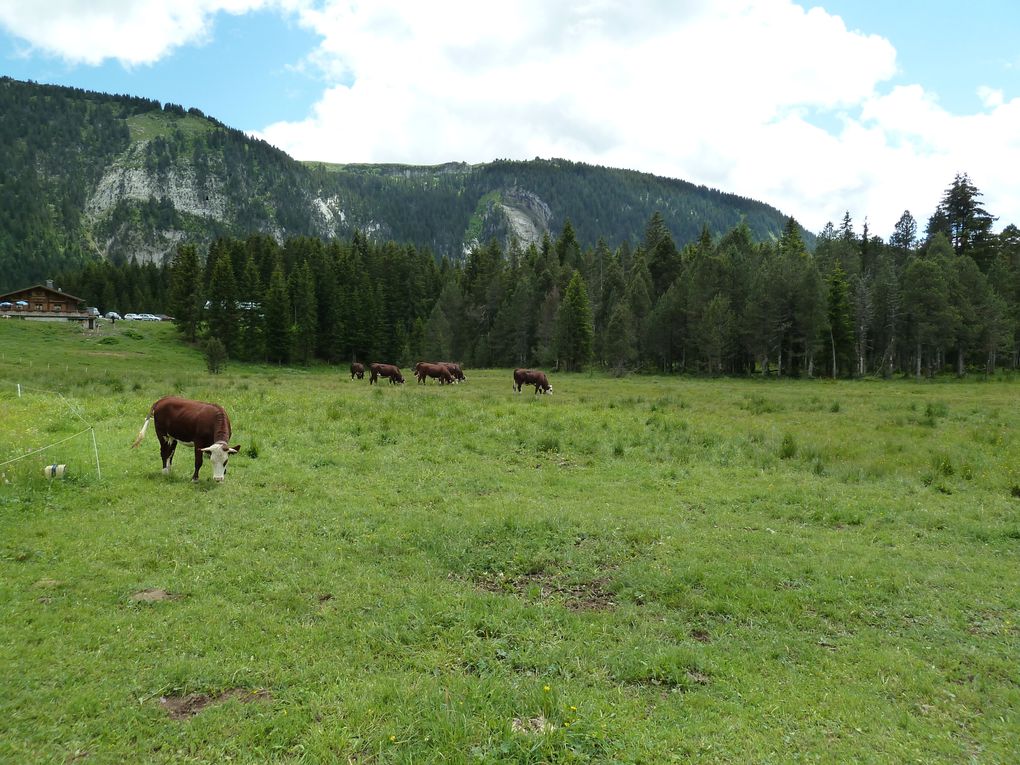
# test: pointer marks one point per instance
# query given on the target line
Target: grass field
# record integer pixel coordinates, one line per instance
(642, 570)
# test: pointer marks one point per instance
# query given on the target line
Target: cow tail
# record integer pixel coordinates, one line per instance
(141, 433)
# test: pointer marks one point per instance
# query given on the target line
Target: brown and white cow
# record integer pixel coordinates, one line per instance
(193, 423)
(385, 370)
(524, 377)
(357, 370)
(438, 372)
(455, 370)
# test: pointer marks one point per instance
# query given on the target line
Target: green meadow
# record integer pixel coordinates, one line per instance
(634, 570)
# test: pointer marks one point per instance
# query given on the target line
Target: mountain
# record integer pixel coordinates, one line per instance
(88, 175)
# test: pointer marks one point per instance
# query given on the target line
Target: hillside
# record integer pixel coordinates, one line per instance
(87, 175)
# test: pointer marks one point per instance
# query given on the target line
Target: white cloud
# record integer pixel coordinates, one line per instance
(730, 94)
(763, 98)
(990, 97)
(130, 31)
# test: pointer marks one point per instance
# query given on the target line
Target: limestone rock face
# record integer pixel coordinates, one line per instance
(128, 179)
(528, 217)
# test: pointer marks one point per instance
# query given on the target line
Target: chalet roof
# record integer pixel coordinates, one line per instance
(53, 290)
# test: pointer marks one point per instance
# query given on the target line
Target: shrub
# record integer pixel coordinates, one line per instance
(215, 355)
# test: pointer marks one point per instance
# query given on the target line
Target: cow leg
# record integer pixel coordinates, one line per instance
(167, 445)
(198, 463)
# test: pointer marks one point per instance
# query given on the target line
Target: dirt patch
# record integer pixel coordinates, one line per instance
(153, 595)
(701, 635)
(531, 725)
(48, 584)
(185, 707)
(593, 595)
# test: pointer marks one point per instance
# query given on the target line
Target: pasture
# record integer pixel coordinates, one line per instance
(635, 570)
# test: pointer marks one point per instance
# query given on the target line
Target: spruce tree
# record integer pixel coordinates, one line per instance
(302, 290)
(840, 313)
(222, 316)
(574, 325)
(250, 340)
(276, 311)
(185, 291)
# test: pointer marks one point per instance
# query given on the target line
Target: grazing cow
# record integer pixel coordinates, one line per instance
(357, 370)
(455, 370)
(424, 369)
(524, 377)
(385, 370)
(194, 423)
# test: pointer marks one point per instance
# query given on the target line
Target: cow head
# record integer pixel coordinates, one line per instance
(219, 453)
(549, 389)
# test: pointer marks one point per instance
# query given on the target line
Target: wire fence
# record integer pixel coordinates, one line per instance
(72, 408)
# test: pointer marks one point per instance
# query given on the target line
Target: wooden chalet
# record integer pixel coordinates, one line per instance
(44, 302)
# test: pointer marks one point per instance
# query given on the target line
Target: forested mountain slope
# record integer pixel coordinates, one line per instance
(87, 175)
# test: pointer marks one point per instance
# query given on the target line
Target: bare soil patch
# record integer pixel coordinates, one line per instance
(153, 595)
(701, 635)
(185, 707)
(593, 595)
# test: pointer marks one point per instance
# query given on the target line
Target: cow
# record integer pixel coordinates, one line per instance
(193, 423)
(455, 370)
(524, 377)
(385, 370)
(357, 370)
(440, 372)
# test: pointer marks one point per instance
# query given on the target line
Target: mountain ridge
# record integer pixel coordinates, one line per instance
(92, 175)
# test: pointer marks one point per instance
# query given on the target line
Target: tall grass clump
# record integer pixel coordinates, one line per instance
(788, 448)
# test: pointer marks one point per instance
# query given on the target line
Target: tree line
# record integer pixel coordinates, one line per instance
(727, 304)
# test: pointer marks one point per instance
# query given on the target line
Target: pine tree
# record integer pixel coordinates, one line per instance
(185, 291)
(278, 318)
(970, 226)
(250, 341)
(661, 255)
(841, 328)
(302, 291)
(574, 325)
(716, 332)
(926, 302)
(222, 316)
(904, 235)
(436, 344)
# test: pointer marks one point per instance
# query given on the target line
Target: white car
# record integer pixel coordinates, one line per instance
(112, 315)
(131, 316)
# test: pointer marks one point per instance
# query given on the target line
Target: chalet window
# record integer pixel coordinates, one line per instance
(38, 306)
(55, 307)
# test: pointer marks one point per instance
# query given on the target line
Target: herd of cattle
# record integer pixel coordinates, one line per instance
(206, 427)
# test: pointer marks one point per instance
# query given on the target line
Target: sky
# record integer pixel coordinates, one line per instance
(868, 107)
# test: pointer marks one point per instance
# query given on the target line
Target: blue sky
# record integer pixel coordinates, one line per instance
(248, 74)
(947, 46)
(866, 107)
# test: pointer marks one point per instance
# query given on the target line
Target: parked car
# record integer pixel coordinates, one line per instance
(130, 316)
(148, 317)
(112, 315)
